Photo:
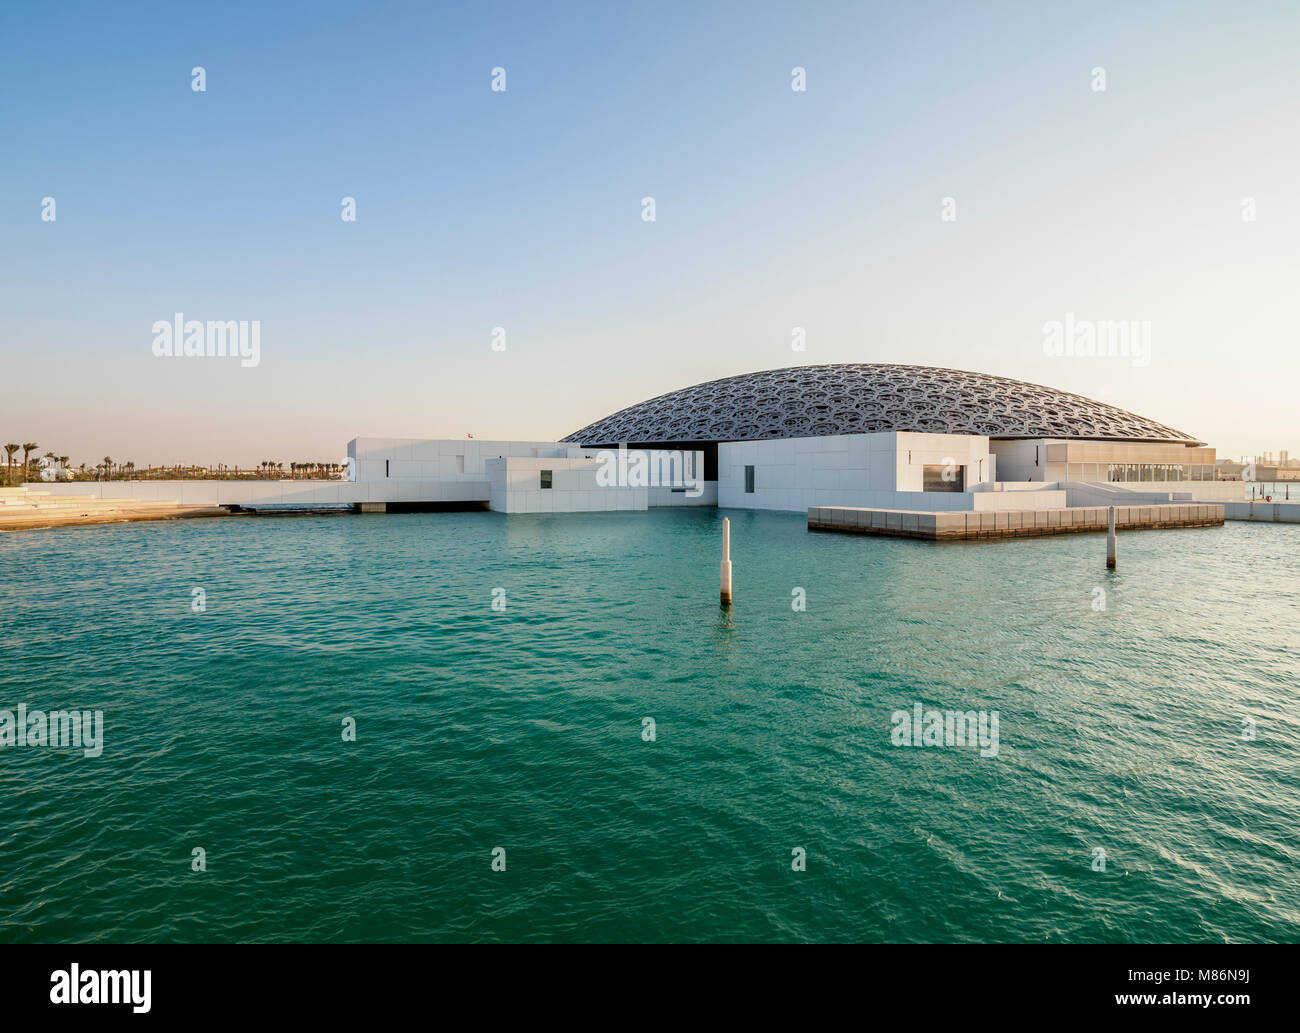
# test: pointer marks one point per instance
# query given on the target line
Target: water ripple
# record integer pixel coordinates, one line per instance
(1120, 730)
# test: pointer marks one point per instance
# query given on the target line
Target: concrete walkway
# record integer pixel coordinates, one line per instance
(1269, 512)
(956, 526)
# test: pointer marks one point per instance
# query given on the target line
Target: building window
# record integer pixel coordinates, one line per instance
(749, 480)
(546, 478)
(943, 478)
(386, 467)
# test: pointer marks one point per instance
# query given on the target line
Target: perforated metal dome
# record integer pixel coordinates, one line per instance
(861, 398)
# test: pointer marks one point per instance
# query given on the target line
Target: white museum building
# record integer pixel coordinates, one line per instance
(861, 435)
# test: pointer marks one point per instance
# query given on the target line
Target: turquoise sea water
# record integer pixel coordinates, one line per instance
(522, 729)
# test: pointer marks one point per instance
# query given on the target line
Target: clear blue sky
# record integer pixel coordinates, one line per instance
(521, 209)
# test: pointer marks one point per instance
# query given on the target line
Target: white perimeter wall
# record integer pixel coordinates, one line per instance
(410, 480)
(1227, 491)
(1127, 493)
(444, 459)
(320, 493)
(277, 493)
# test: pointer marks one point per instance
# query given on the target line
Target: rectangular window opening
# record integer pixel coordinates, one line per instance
(749, 480)
(943, 478)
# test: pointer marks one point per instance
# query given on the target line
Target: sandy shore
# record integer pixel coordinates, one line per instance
(24, 519)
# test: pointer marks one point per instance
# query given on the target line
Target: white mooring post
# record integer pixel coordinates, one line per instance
(1111, 546)
(726, 562)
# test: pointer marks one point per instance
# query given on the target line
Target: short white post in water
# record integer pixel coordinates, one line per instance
(726, 562)
(1111, 547)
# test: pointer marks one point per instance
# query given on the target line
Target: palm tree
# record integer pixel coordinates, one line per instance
(10, 449)
(28, 448)
(108, 468)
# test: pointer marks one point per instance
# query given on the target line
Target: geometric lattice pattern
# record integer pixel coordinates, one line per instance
(859, 398)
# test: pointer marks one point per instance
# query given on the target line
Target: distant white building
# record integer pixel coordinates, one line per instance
(860, 435)
(52, 470)
(528, 476)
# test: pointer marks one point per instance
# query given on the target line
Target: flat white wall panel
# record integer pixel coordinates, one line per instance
(846, 470)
